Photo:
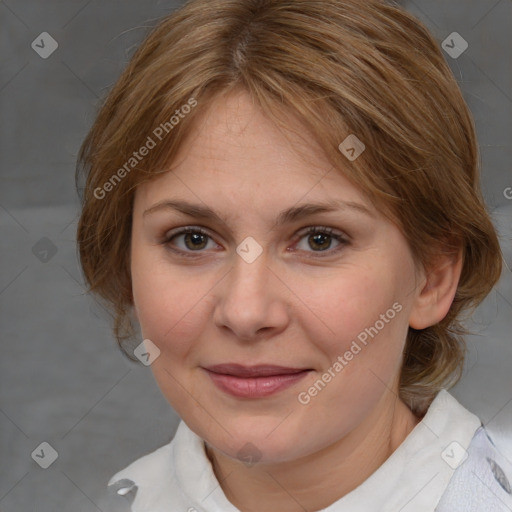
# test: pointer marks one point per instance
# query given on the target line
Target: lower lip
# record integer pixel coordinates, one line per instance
(255, 387)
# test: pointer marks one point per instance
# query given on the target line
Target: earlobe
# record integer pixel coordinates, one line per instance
(437, 291)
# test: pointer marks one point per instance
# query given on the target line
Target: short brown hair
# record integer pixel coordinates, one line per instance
(343, 67)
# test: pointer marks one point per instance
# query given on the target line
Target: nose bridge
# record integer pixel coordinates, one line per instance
(249, 277)
(249, 299)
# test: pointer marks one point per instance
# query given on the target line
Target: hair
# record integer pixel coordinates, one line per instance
(341, 67)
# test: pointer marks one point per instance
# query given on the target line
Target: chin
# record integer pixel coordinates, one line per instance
(261, 443)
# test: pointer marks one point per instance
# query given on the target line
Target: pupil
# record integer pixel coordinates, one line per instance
(320, 239)
(196, 240)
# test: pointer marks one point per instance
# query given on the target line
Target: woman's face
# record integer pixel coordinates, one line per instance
(256, 289)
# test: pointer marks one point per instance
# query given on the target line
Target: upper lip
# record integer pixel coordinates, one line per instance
(261, 370)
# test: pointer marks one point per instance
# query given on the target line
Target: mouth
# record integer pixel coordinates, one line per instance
(261, 370)
(254, 381)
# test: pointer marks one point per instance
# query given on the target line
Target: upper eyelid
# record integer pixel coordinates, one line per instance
(209, 232)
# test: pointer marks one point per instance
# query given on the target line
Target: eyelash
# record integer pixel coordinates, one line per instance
(310, 230)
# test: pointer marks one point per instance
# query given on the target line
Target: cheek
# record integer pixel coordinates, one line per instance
(367, 325)
(165, 305)
(350, 307)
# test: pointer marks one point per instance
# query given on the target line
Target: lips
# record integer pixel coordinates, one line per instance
(254, 382)
(264, 370)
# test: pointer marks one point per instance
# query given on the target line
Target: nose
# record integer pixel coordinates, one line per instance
(251, 300)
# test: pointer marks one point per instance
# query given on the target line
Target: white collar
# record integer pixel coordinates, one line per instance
(412, 479)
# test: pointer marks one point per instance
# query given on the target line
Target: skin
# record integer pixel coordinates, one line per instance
(299, 308)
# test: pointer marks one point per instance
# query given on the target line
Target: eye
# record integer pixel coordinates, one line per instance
(320, 239)
(193, 240)
(189, 240)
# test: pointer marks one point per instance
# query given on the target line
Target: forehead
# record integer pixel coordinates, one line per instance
(234, 127)
(233, 144)
(237, 161)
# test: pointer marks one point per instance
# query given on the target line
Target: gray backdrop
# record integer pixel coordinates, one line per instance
(62, 378)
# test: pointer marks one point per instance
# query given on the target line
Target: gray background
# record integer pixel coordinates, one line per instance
(62, 378)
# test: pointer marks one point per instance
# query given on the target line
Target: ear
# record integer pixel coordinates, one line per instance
(436, 291)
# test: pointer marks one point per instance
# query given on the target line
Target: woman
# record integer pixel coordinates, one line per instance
(284, 196)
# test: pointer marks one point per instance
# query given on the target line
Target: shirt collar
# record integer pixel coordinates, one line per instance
(412, 479)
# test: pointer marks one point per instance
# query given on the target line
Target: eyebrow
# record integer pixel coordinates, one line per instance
(289, 215)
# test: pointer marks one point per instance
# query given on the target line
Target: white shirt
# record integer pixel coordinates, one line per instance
(447, 463)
